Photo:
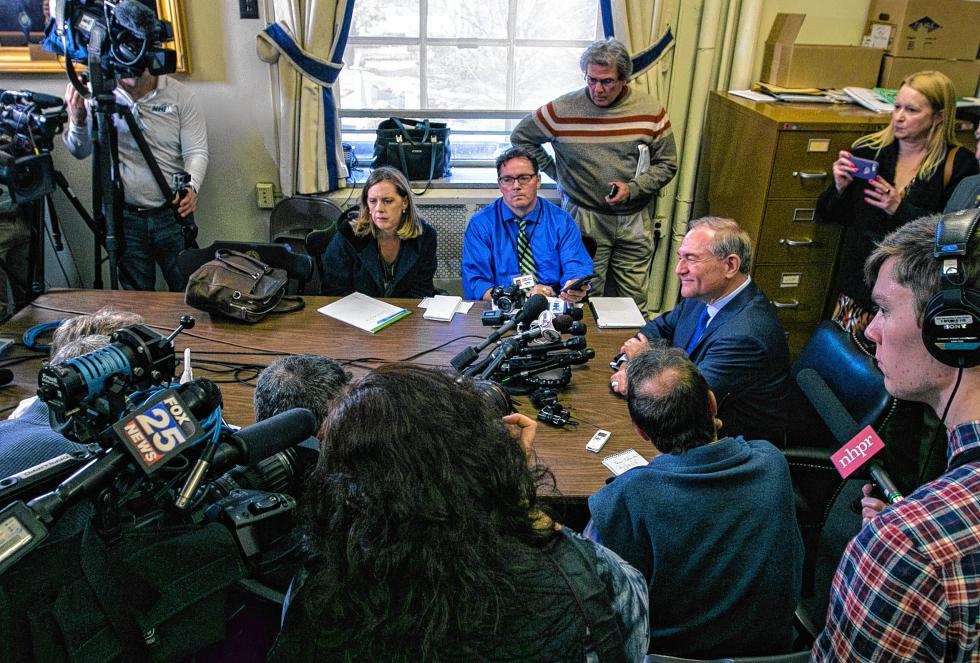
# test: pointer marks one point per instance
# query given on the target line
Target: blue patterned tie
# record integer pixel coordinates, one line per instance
(698, 331)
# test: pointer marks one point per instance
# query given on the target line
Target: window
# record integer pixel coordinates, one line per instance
(481, 65)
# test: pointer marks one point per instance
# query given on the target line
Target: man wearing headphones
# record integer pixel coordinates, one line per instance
(908, 584)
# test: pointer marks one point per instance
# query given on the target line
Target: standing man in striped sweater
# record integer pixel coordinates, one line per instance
(613, 151)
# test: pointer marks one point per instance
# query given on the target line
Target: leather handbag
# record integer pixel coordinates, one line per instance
(239, 286)
(420, 149)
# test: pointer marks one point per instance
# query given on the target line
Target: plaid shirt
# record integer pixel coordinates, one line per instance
(908, 585)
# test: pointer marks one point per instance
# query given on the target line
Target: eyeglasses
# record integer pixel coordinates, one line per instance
(507, 180)
(605, 82)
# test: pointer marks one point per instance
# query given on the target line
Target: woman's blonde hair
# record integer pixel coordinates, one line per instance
(938, 90)
(410, 225)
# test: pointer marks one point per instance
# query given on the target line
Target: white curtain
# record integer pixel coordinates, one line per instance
(306, 45)
(634, 24)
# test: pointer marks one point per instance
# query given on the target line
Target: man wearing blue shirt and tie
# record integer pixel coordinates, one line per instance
(521, 235)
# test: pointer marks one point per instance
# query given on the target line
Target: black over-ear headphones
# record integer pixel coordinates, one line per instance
(951, 323)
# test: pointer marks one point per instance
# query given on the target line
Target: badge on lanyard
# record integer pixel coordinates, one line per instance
(524, 282)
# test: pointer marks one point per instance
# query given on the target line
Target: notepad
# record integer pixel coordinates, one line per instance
(367, 313)
(624, 460)
(616, 312)
(442, 308)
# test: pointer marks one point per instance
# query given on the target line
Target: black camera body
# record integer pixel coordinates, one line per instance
(126, 33)
(28, 124)
(508, 298)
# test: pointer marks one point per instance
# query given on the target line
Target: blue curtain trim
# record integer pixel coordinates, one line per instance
(321, 71)
(606, 13)
(329, 131)
(649, 57)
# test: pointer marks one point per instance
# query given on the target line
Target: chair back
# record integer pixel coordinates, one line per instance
(293, 218)
(316, 243)
(849, 370)
(298, 267)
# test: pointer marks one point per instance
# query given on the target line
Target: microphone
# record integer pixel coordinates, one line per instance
(858, 444)
(573, 343)
(27, 97)
(577, 329)
(545, 322)
(268, 437)
(575, 312)
(558, 360)
(6, 376)
(136, 17)
(532, 308)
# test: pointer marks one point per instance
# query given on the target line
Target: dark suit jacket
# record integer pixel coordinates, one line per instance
(744, 357)
(352, 264)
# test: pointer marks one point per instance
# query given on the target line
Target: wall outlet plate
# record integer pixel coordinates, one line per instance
(265, 194)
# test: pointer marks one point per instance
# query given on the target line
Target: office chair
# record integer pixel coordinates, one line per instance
(316, 243)
(851, 374)
(293, 218)
(795, 657)
(298, 267)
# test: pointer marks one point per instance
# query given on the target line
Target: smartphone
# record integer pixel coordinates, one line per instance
(867, 169)
(612, 191)
(578, 283)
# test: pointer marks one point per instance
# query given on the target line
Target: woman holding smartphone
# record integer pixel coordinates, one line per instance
(918, 166)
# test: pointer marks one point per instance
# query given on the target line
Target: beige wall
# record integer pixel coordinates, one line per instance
(827, 22)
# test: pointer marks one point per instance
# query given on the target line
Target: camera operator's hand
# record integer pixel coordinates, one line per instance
(522, 429)
(76, 106)
(187, 204)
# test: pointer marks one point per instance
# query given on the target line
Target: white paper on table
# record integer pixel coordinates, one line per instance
(624, 460)
(363, 312)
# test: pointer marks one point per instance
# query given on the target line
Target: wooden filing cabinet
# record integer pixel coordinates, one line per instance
(765, 165)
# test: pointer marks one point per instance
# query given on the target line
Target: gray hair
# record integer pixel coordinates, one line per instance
(729, 238)
(104, 321)
(310, 381)
(77, 347)
(607, 53)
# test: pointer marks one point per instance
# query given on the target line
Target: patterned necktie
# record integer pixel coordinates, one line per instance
(698, 331)
(524, 255)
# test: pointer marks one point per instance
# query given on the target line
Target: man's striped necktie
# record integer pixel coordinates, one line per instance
(524, 255)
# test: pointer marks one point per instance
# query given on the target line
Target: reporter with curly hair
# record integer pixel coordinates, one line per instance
(427, 541)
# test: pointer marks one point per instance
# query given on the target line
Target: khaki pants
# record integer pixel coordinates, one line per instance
(624, 250)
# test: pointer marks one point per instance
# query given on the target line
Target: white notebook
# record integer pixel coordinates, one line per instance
(624, 460)
(616, 312)
(442, 308)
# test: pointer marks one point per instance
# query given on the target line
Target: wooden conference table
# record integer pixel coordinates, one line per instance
(578, 473)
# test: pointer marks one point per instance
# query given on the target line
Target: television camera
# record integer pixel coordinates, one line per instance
(119, 38)
(142, 473)
(29, 121)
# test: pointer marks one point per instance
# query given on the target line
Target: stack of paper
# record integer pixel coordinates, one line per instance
(616, 312)
(442, 307)
(364, 312)
(867, 98)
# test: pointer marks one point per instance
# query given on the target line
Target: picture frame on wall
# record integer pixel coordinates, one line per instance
(22, 25)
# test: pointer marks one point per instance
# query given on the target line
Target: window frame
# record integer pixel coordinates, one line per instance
(510, 115)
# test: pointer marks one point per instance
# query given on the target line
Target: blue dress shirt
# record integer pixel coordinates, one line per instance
(490, 248)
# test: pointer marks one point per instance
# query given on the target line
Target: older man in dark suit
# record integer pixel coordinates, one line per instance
(728, 328)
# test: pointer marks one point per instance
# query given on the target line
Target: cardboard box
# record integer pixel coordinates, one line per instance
(945, 29)
(790, 64)
(963, 73)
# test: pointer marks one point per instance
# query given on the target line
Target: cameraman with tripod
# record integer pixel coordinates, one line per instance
(155, 228)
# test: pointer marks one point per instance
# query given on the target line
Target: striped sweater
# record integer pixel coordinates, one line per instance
(595, 145)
